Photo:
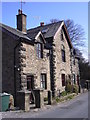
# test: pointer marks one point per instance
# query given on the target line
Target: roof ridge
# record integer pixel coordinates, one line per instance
(45, 25)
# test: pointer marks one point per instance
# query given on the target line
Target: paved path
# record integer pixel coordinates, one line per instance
(75, 108)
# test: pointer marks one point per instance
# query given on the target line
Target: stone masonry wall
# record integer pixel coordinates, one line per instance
(75, 69)
(61, 67)
(35, 66)
(8, 44)
(18, 63)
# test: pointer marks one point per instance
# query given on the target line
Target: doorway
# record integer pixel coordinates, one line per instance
(30, 87)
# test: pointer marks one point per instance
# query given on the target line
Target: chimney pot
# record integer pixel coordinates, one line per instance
(19, 12)
(42, 24)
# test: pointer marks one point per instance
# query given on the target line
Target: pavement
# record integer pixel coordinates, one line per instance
(75, 108)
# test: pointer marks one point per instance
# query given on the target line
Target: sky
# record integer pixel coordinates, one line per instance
(45, 11)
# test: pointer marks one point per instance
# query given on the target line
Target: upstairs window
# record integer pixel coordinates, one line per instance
(74, 61)
(63, 54)
(39, 50)
(43, 81)
(74, 79)
(63, 79)
(62, 36)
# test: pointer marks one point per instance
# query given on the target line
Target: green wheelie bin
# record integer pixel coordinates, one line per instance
(4, 101)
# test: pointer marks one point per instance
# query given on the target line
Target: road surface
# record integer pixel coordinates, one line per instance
(75, 108)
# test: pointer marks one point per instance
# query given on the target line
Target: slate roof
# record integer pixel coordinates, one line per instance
(13, 31)
(48, 30)
(32, 34)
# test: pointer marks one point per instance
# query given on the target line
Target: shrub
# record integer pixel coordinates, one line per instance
(69, 88)
(68, 82)
(45, 99)
(64, 93)
(57, 99)
(75, 88)
(70, 97)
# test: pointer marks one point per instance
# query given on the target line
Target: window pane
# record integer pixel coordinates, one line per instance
(44, 84)
(39, 50)
(63, 56)
(61, 36)
(41, 85)
(39, 47)
(74, 81)
(39, 54)
(74, 61)
(63, 79)
(43, 81)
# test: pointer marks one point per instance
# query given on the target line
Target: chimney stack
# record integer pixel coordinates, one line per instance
(21, 21)
(42, 24)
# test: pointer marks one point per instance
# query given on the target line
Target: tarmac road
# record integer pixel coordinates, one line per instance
(75, 108)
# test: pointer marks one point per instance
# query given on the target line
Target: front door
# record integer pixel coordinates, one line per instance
(30, 86)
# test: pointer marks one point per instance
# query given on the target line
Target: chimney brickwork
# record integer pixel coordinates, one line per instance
(21, 21)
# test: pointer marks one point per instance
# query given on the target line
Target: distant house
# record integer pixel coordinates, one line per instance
(42, 57)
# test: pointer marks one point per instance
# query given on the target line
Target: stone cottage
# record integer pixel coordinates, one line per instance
(41, 57)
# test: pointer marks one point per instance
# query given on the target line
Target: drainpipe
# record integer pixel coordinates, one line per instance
(15, 71)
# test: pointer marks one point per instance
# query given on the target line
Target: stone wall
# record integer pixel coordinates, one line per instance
(8, 78)
(35, 66)
(19, 59)
(75, 70)
(77, 66)
(61, 67)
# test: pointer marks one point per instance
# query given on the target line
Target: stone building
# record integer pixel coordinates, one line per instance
(40, 57)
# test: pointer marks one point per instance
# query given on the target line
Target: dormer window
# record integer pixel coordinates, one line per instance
(39, 50)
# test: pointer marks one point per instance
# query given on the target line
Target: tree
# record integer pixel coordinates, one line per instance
(84, 69)
(76, 32)
(84, 72)
(54, 20)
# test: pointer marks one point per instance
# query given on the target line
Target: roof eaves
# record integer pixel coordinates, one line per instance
(68, 36)
(9, 33)
(14, 33)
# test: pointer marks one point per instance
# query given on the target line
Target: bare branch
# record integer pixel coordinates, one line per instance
(76, 32)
